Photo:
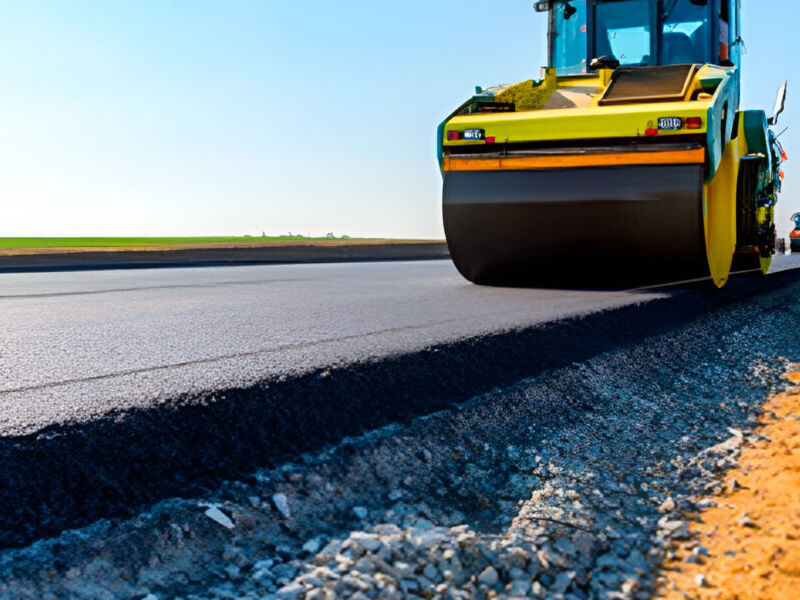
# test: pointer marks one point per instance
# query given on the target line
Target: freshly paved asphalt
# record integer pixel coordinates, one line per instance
(76, 346)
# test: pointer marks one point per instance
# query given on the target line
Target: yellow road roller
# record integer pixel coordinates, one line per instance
(628, 161)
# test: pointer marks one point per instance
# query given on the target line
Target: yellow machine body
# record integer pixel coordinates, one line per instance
(629, 174)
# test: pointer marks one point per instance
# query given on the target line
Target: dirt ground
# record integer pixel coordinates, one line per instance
(747, 542)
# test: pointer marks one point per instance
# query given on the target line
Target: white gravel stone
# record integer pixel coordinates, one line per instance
(404, 569)
(676, 530)
(746, 521)
(281, 502)
(489, 576)
(667, 506)
(701, 551)
(292, 591)
(215, 514)
(365, 541)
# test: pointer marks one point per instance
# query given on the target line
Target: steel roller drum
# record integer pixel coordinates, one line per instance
(606, 227)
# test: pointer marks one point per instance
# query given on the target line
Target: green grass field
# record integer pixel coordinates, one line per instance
(125, 242)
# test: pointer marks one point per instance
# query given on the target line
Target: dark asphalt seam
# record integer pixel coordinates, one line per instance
(149, 288)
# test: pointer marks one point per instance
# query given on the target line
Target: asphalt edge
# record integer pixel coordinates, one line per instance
(69, 476)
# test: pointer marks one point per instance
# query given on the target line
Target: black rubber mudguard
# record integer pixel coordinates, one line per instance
(587, 227)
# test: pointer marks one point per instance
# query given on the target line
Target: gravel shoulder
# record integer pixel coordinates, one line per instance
(569, 485)
(193, 255)
(746, 539)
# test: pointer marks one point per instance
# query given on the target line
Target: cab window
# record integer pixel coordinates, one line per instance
(686, 33)
(624, 31)
(570, 39)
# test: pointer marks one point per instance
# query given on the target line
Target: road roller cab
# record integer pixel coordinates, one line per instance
(634, 122)
(641, 33)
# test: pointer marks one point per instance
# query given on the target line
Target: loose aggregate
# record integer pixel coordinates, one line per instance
(567, 486)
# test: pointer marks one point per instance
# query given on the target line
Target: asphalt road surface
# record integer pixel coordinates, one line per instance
(123, 388)
(76, 346)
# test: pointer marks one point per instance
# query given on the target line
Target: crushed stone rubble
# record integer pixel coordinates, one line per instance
(570, 486)
(552, 549)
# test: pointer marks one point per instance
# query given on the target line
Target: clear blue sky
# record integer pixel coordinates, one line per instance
(181, 117)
